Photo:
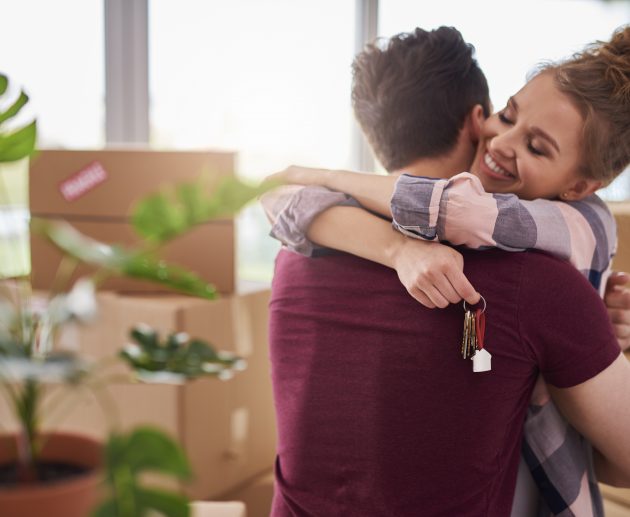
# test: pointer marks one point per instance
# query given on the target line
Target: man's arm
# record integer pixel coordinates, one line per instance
(600, 410)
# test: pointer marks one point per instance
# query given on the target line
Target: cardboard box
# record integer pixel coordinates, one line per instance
(256, 494)
(621, 211)
(226, 427)
(95, 191)
(619, 496)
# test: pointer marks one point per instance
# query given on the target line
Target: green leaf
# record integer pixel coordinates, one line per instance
(72, 242)
(15, 108)
(157, 218)
(146, 336)
(106, 509)
(149, 449)
(173, 211)
(232, 194)
(19, 144)
(177, 355)
(4, 83)
(168, 504)
(115, 259)
(146, 267)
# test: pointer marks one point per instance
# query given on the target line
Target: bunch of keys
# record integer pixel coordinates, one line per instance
(472, 342)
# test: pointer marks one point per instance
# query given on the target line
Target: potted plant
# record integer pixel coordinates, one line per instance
(60, 474)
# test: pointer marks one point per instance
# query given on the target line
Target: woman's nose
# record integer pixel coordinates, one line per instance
(503, 145)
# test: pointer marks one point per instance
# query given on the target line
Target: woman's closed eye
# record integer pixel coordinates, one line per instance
(534, 150)
(503, 118)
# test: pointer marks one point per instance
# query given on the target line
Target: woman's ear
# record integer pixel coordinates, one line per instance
(580, 190)
(475, 120)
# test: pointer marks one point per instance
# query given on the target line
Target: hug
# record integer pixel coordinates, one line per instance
(378, 413)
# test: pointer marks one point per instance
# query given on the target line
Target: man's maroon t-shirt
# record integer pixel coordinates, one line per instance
(378, 413)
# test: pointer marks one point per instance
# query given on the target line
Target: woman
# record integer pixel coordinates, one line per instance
(563, 135)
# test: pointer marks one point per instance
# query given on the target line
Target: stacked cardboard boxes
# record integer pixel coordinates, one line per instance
(621, 211)
(226, 427)
(96, 192)
(617, 500)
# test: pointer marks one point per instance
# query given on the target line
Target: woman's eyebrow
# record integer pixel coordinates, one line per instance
(536, 130)
(545, 136)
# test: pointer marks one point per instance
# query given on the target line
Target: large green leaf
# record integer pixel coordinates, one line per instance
(15, 108)
(149, 449)
(4, 83)
(173, 211)
(147, 267)
(168, 504)
(232, 194)
(145, 502)
(120, 261)
(18, 144)
(127, 456)
(106, 509)
(85, 249)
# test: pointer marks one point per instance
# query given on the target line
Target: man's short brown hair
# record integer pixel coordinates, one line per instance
(411, 95)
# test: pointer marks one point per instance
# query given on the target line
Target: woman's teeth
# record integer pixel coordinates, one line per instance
(494, 167)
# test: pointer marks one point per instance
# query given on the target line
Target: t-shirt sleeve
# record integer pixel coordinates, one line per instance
(563, 322)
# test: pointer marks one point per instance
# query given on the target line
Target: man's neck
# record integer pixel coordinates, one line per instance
(440, 167)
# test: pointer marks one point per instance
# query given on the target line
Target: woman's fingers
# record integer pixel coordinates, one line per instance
(446, 289)
(463, 287)
(441, 291)
(419, 295)
(432, 293)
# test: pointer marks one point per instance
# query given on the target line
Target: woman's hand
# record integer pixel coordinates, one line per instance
(433, 273)
(617, 299)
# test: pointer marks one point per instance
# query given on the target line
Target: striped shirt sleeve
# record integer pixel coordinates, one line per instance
(291, 209)
(461, 212)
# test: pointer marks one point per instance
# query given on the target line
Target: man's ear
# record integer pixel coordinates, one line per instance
(580, 189)
(474, 122)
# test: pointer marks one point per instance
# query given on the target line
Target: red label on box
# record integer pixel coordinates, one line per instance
(83, 181)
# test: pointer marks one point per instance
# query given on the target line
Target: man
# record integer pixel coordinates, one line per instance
(379, 444)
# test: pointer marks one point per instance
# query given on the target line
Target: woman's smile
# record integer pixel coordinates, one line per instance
(493, 170)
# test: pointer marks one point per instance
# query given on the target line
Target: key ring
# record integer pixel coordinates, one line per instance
(484, 305)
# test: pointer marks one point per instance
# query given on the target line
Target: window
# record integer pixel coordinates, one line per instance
(270, 80)
(54, 50)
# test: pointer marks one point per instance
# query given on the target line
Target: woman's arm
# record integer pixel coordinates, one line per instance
(431, 272)
(305, 218)
(461, 212)
(373, 191)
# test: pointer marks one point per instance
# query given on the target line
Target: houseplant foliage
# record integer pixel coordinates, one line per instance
(30, 359)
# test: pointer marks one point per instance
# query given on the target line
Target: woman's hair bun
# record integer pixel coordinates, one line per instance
(598, 81)
(615, 55)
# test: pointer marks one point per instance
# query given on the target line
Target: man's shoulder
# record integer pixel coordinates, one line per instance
(529, 261)
(340, 272)
(329, 260)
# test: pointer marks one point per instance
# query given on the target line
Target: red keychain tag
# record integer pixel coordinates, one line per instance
(482, 358)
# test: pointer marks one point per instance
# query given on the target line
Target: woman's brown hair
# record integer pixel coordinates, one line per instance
(598, 81)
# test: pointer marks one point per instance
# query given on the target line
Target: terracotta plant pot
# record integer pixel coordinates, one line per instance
(74, 497)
